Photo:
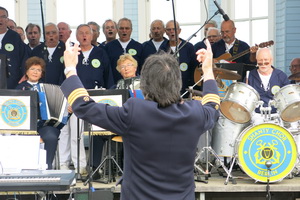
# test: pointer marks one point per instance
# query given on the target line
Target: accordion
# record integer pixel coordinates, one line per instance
(53, 106)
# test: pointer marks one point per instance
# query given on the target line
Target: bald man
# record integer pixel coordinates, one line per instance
(266, 79)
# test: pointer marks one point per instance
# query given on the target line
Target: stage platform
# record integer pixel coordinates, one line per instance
(215, 189)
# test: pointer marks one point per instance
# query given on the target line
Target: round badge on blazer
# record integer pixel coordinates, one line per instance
(183, 67)
(132, 52)
(14, 112)
(96, 63)
(9, 47)
(275, 89)
(61, 59)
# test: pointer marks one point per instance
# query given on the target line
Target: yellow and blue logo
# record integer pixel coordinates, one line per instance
(267, 142)
(14, 112)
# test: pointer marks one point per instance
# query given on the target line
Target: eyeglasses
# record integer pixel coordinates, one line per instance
(126, 66)
(294, 66)
(263, 64)
(3, 17)
(35, 70)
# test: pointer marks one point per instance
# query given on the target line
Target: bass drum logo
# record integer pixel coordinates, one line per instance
(14, 112)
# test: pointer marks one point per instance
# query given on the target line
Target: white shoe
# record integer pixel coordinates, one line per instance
(82, 170)
(64, 167)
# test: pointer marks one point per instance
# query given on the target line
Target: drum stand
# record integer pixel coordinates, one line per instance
(208, 150)
(108, 158)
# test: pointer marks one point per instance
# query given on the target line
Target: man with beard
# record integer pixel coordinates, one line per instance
(186, 55)
(157, 31)
(230, 44)
(33, 34)
(109, 28)
(52, 52)
(125, 44)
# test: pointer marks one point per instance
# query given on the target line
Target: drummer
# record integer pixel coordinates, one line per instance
(295, 68)
(266, 79)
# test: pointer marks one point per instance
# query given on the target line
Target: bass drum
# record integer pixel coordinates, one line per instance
(288, 103)
(224, 135)
(266, 142)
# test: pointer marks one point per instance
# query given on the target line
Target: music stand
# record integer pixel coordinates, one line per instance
(19, 112)
(113, 98)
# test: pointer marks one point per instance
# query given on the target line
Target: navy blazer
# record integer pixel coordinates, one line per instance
(159, 143)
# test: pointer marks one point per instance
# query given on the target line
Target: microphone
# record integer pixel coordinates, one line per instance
(221, 11)
(268, 164)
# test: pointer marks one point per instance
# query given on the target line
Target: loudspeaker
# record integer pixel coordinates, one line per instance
(99, 194)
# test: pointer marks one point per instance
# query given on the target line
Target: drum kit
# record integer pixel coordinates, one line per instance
(266, 151)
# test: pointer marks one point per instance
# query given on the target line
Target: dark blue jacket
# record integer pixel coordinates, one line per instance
(15, 50)
(114, 50)
(97, 72)
(219, 49)
(187, 63)
(277, 80)
(54, 73)
(149, 48)
(159, 143)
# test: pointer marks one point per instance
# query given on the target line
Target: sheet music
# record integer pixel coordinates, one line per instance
(18, 153)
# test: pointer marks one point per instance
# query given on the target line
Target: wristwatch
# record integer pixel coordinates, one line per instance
(68, 69)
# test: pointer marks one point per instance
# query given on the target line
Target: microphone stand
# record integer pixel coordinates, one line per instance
(42, 14)
(195, 34)
(175, 28)
(268, 165)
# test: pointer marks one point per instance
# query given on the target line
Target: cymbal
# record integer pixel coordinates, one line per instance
(295, 77)
(219, 73)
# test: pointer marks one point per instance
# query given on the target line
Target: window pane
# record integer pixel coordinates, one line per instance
(184, 12)
(242, 31)
(161, 10)
(260, 34)
(9, 5)
(259, 8)
(188, 12)
(65, 12)
(187, 31)
(242, 9)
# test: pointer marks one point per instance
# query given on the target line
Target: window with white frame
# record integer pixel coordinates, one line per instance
(252, 20)
(76, 12)
(187, 14)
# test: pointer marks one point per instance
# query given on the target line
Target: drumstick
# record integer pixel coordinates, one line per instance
(247, 77)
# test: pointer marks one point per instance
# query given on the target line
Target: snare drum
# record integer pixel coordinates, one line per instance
(266, 142)
(287, 102)
(224, 135)
(239, 102)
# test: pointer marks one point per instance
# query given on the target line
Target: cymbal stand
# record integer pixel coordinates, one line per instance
(191, 87)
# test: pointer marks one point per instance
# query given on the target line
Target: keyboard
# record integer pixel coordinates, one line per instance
(37, 180)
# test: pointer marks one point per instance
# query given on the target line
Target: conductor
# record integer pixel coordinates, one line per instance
(160, 133)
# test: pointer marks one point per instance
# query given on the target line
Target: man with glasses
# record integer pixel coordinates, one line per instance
(213, 35)
(230, 44)
(186, 55)
(266, 79)
(13, 47)
(201, 44)
(295, 68)
(52, 52)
